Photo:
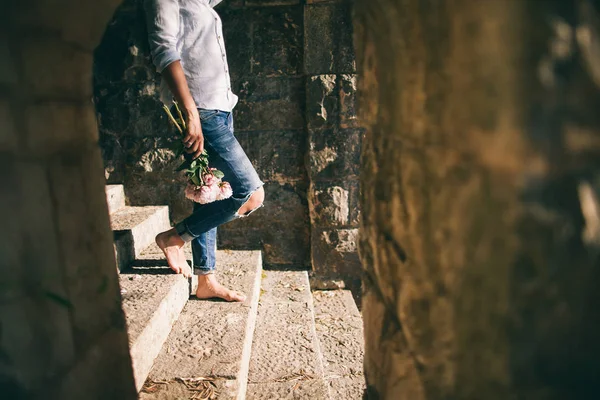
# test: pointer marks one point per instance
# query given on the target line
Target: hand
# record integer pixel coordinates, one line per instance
(194, 139)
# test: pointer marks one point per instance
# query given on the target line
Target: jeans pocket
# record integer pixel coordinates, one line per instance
(205, 115)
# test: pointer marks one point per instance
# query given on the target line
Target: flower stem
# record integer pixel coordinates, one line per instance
(180, 115)
(172, 119)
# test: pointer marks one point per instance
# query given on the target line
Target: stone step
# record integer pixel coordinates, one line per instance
(286, 359)
(115, 197)
(210, 344)
(153, 257)
(135, 229)
(340, 332)
(152, 301)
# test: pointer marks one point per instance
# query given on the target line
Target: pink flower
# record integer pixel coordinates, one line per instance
(190, 192)
(207, 195)
(210, 179)
(225, 191)
(200, 194)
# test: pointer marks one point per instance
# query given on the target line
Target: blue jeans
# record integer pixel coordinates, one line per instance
(225, 154)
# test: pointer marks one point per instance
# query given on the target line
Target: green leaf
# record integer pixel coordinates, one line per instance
(195, 180)
(185, 165)
(218, 174)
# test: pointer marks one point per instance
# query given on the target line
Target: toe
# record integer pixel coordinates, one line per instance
(235, 296)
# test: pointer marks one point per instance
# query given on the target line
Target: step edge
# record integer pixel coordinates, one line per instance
(161, 217)
(249, 335)
(171, 305)
(316, 340)
(109, 194)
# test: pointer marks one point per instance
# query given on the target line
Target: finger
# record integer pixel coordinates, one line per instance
(188, 138)
(192, 148)
(200, 148)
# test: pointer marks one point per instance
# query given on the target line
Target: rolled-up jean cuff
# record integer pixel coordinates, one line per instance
(201, 271)
(184, 232)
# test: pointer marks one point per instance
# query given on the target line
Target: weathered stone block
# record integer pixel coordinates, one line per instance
(51, 126)
(8, 73)
(36, 307)
(151, 178)
(133, 109)
(269, 103)
(329, 205)
(328, 46)
(8, 134)
(88, 259)
(52, 68)
(277, 41)
(334, 153)
(237, 30)
(74, 22)
(277, 156)
(347, 99)
(322, 101)
(229, 4)
(280, 227)
(124, 45)
(334, 253)
(331, 101)
(329, 200)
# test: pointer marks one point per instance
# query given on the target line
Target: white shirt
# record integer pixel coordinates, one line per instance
(191, 31)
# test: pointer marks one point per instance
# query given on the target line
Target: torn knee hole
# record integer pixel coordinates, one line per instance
(253, 203)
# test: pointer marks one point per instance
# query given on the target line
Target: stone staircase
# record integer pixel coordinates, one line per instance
(283, 342)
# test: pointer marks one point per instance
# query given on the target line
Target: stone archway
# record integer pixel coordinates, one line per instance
(62, 331)
(480, 211)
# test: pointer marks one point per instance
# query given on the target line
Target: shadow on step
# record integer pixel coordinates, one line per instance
(153, 268)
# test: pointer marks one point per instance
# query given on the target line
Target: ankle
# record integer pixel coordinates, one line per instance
(170, 238)
(206, 278)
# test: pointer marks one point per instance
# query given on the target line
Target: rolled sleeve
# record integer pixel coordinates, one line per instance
(213, 3)
(162, 18)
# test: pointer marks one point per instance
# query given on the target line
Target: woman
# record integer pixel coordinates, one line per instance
(186, 41)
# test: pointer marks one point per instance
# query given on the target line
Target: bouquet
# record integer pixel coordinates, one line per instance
(204, 184)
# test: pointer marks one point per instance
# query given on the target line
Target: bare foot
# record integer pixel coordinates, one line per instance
(209, 288)
(172, 245)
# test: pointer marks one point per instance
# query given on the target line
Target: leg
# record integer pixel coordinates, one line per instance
(172, 246)
(203, 249)
(203, 252)
(225, 154)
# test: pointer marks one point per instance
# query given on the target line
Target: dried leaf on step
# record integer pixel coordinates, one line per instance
(151, 386)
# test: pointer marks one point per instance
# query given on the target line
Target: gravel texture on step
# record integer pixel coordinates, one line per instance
(286, 359)
(213, 338)
(313, 389)
(115, 197)
(152, 303)
(128, 218)
(340, 331)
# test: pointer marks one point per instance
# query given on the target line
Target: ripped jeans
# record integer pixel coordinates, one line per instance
(225, 154)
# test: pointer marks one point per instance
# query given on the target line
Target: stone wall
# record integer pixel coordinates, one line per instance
(292, 65)
(62, 330)
(480, 226)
